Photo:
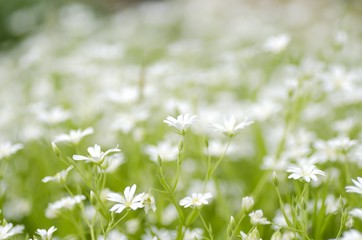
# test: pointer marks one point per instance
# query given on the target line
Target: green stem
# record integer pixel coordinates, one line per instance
(205, 225)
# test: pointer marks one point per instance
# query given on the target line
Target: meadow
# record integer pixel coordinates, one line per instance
(195, 119)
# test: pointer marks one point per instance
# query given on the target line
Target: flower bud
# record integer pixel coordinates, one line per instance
(56, 150)
(247, 204)
(275, 179)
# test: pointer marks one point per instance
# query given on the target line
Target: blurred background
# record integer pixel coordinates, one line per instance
(19, 18)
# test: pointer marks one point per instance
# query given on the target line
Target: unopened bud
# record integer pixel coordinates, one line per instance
(247, 204)
(231, 227)
(275, 179)
(56, 150)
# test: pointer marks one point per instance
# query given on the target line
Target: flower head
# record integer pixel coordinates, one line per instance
(68, 203)
(128, 200)
(149, 203)
(95, 154)
(357, 188)
(7, 149)
(74, 136)
(257, 218)
(182, 123)
(230, 127)
(46, 234)
(306, 172)
(8, 230)
(254, 235)
(59, 177)
(196, 199)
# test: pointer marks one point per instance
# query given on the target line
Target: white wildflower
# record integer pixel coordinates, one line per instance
(196, 199)
(8, 230)
(257, 218)
(230, 127)
(182, 123)
(74, 136)
(7, 149)
(60, 177)
(276, 44)
(95, 154)
(66, 203)
(149, 203)
(46, 234)
(351, 235)
(357, 188)
(356, 212)
(129, 200)
(306, 172)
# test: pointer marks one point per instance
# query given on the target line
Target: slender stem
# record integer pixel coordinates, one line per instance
(179, 161)
(205, 225)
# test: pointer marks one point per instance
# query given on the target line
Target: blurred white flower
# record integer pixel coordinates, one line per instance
(357, 188)
(276, 44)
(96, 155)
(74, 136)
(52, 116)
(165, 149)
(129, 200)
(196, 199)
(351, 235)
(257, 218)
(7, 230)
(113, 235)
(46, 234)
(306, 172)
(333, 149)
(7, 149)
(254, 235)
(182, 123)
(194, 234)
(247, 204)
(148, 202)
(356, 212)
(111, 163)
(230, 127)
(60, 177)
(68, 203)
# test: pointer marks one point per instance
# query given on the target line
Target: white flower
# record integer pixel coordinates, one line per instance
(351, 235)
(46, 234)
(276, 44)
(59, 177)
(113, 235)
(111, 163)
(68, 203)
(53, 116)
(196, 199)
(8, 230)
(256, 218)
(194, 234)
(148, 201)
(230, 127)
(74, 136)
(306, 172)
(96, 155)
(7, 149)
(357, 188)
(165, 149)
(356, 212)
(254, 235)
(182, 123)
(129, 200)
